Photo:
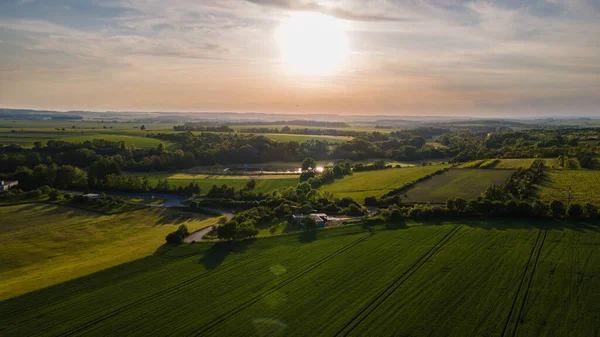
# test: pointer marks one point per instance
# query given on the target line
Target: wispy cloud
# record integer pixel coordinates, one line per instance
(338, 12)
(407, 56)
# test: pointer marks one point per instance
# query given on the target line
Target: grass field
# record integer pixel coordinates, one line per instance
(463, 279)
(584, 184)
(266, 183)
(375, 183)
(456, 183)
(43, 244)
(142, 142)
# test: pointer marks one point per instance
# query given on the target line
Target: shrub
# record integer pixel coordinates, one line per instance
(590, 210)
(540, 209)
(557, 209)
(574, 210)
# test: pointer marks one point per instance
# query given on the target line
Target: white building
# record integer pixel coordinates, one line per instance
(6, 185)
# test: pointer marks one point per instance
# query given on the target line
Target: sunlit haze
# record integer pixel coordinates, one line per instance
(427, 57)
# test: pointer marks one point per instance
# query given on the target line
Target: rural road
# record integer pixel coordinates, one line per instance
(197, 236)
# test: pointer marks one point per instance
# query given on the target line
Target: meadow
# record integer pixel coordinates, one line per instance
(266, 183)
(584, 185)
(456, 183)
(44, 244)
(485, 278)
(360, 185)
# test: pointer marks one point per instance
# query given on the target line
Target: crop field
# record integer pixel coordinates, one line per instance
(515, 163)
(375, 183)
(584, 184)
(266, 183)
(451, 279)
(456, 183)
(44, 244)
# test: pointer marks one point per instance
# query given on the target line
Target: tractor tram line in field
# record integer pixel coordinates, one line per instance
(157, 295)
(516, 312)
(349, 327)
(230, 314)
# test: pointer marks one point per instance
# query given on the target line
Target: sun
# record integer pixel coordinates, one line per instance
(312, 43)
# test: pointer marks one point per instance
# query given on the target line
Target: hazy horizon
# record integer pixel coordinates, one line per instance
(509, 59)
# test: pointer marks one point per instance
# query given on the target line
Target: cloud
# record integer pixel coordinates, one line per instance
(340, 13)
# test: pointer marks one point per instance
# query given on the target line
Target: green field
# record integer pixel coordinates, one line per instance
(27, 138)
(375, 183)
(266, 183)
(456, 183)
(465, 279)
(44, 244)
(584, 184)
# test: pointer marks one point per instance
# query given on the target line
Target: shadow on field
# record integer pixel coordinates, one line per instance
(215, 256)
(307, 236)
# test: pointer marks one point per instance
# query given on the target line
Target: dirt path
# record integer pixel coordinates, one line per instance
(199, 235)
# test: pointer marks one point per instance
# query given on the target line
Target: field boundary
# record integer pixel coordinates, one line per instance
(224, 317)
(516, 316)
(394, 285)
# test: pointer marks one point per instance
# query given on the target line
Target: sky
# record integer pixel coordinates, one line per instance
(401, 57)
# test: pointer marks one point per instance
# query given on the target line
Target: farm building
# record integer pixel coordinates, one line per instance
(320, 218)
(6, 185)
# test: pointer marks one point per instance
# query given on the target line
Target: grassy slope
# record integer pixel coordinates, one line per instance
(266, 183)
(585, 186)
(375, 183)
(440, 280)
(44, 244)
(463, 183)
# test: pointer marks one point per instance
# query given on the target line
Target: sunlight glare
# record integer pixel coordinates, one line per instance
(312, 43)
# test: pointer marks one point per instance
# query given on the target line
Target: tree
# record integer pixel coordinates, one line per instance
(308, 223)
(309, 164)
(450, 204)
(251, 184)
(183, 231)
(460, 204)
(494, 193)
(557, 209)
(539, 208)
(371, 201)
(161, 148)
(228, 230)
(174, 239)
(143, 127)
(574, 210)
(590, 210)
